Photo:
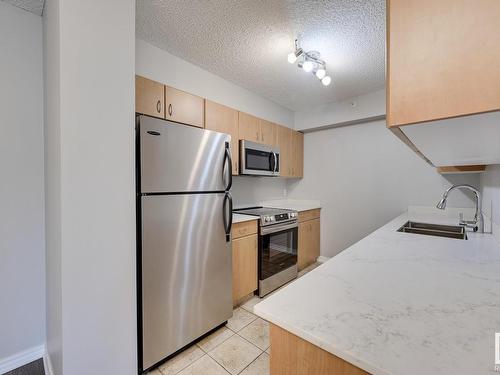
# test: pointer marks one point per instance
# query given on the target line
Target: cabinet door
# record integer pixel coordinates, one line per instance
(225, 120)
(244, 266)
(284, 141)
(184, 108)
(297, 154)
(309, 243)
(267, 132)
(443, 58)
(248, 127)
(149, 97)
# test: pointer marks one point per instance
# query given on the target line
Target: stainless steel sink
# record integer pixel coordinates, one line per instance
(449, 231)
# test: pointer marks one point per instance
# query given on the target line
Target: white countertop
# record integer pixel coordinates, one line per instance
(399, 303)
(292, 204)
(238, 218)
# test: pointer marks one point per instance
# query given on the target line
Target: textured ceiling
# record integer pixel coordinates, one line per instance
(247, 42)
(33, 6)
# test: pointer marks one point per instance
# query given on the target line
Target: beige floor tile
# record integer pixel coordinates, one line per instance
(235, 354)
(268, 350)
(248, 305)
(204, 366)
(257, 333)
(181, 361)
(240, 319)
(216, 338)
(154, 372)
(258, 367)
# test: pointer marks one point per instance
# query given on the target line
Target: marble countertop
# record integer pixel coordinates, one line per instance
(400, 303)
(292, 204)
(238, 218)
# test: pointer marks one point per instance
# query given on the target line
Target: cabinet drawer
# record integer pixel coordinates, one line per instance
(244, 228)
(309, 215)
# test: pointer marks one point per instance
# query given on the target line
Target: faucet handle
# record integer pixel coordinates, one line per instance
(461, 217)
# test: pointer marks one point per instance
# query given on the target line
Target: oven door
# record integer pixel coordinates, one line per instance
(258, 159)
(277, 256)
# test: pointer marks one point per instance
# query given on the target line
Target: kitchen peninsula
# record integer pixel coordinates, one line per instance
(389, 305)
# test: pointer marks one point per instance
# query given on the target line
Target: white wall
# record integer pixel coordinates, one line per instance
(367, 106)
(490, 189)
(159, 65)
(91, 296)
(364, 176)
(22, 258)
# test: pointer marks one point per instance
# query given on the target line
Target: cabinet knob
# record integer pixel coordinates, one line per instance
(158, 106)
(170, 109)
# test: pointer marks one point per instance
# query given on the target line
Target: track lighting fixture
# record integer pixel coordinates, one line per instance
(310, 62)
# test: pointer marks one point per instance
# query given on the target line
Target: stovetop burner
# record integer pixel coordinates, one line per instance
(268, 215)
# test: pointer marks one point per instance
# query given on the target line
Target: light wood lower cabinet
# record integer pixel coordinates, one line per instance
(309, 243)
(149, 97)
(184, 107)
(225, 120)
(244, 266)
(292, 355)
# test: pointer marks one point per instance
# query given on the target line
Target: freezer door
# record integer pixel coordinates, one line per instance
(186, 271)
(181, 158)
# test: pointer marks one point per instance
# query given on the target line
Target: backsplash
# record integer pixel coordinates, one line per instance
(490, 190)
(248, 190)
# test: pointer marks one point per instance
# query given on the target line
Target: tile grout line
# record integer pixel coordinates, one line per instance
(247, 366)
(236, 333)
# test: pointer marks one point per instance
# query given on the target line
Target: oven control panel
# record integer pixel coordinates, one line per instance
(269, 219)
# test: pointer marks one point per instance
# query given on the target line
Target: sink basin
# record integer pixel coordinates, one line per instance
(449, 231)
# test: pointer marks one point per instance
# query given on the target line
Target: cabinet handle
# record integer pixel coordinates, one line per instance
(158, 106)
(170, 109)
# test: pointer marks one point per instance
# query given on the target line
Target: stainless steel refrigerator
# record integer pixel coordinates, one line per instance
(184, 212)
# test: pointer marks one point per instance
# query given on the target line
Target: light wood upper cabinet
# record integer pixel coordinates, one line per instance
(225, 120)
(309, 243)
(244, 266)
(248, 127)
(267, 132)
(184, 107)
(443, 59)
(149, 97)
(297, 154)
(284, 142)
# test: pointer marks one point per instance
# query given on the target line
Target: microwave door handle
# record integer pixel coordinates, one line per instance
(229, 162)
(275, 162)
(227, 215)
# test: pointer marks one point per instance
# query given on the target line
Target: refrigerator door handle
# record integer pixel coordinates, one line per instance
(229, 161)
(227, 215)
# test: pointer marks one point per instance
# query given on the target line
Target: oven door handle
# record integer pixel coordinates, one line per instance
(278, 228)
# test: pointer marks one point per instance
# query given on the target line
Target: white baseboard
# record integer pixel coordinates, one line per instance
(322, 259)
(47, 364)
(22, 358)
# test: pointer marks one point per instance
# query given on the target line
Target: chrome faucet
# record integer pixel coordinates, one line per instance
(476, 223)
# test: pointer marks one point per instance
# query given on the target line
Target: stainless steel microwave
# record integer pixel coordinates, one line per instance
(258, 159)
